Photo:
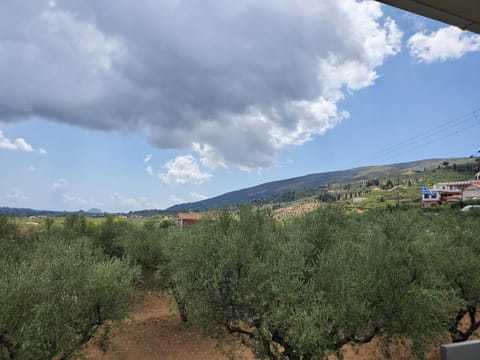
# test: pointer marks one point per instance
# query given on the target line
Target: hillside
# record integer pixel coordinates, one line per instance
(30, 212)
(271, 189)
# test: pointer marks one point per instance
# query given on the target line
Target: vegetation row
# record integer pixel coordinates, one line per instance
(300, 289)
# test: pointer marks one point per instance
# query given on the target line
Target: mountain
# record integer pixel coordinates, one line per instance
(30, 212)
(94, 211)
(33, 212)
(270, 189)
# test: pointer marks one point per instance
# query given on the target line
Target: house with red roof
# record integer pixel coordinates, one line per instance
(447, 192)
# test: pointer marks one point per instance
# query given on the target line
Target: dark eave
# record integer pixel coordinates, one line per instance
(464, 14)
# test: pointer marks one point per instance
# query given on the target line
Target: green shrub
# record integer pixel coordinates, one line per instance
(326, 279)
(54, 297)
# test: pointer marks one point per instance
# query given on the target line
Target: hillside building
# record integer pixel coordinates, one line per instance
(189, 218)
(442, 193)
(471, 192)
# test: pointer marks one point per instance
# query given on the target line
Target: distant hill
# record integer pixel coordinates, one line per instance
(268, 190)
(95, 211)
(33, 212)
(274, 190)
(30, 212)
(147, 213)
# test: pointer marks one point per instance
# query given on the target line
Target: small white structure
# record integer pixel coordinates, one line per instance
(465, 350)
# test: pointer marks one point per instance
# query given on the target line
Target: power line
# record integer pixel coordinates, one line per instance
(437, 133)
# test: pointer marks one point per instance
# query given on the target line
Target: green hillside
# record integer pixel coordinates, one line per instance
(394, 180)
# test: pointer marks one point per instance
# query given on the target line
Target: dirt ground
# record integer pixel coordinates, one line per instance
(153, 332)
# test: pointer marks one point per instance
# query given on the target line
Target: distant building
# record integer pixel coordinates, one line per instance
(472, 192)
(189, 218)
(442, 193)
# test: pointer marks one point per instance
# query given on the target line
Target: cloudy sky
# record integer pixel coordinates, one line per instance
(126, 105)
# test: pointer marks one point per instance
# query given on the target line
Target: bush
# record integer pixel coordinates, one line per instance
(326, 279)
(57, 293)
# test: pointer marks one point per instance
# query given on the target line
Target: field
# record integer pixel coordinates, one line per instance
(305, 280)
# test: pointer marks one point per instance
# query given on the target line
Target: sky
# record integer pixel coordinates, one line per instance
(124, 105)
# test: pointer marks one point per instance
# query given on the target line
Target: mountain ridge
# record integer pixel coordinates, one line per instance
(266, 190)
(269, 189)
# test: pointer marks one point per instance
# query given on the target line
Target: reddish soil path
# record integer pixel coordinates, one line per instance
(154, 332)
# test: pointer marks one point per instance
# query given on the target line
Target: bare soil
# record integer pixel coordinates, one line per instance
(153, 331)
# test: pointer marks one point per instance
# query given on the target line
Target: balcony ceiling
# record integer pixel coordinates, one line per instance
(464, 14)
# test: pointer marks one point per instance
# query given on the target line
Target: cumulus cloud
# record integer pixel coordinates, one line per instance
(148, 157)
(42, 151)
(444, 44)
(31, 168)
(22, 145)
(193, 196)
(149, 170)
(74, 200)
(235, 81)
(18, 144)
(197, 197)
(128, 203)
(183, 170)
(15, 196)
(174, 199)
(59, 184)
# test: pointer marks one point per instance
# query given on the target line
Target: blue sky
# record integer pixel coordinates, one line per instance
(99, 111)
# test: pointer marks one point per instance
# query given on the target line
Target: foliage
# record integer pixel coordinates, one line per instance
(304, 289)
(299, 289)
(55, 290)
(144, 244)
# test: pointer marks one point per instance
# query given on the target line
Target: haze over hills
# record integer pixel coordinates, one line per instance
(33, 212)
(267, 190)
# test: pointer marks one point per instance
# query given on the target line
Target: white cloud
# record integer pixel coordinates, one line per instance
(18, 144)
(193, 196)
(197, 197)
(149, 170)
(127, 203)
(42, 151)
(208, 156)
(59, 184)
(22, 145)
(31, 168)
(15, 196)
(276, 81)
(183, 170)
(74, 200)
(148, 157)
(444, 44)
(174, 199)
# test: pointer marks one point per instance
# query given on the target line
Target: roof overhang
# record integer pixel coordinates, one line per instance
(464, 14)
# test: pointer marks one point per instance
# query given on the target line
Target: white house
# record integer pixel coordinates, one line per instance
(442, 193)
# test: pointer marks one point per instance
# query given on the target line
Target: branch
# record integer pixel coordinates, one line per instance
(474, 325)
(6, 343)
(238, 330)
(458, 335)
(352, 339)
(288, 350)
